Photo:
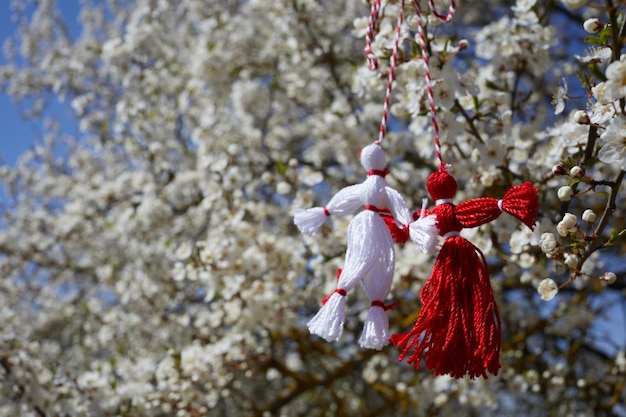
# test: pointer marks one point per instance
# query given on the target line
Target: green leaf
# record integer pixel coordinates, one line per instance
(282, 169)
(594, 40)
(615, 236)
(574, 182)
(569, 163)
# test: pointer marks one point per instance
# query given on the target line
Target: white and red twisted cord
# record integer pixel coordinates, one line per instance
(372, 24)
(391, 76)
(445, 18)
(425, 57)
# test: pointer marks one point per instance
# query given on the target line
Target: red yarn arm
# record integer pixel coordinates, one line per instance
(400, 234)
(522, 203)
(417, 213)
(478, 211)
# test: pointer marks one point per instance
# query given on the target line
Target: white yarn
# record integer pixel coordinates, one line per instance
(328, 322)
(398, 207)
(364, 254)
(377, 286)
(308, 221)
(424, 231)
(370, 255)
(346, 201)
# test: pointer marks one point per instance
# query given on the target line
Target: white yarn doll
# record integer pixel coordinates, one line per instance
(370, 256)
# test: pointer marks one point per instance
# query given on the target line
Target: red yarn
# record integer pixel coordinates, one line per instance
(339, 291)
(520, 201)
(459, 318)
(386, 307)
(478, 211)
(381, 173)
(458, 329)
(399, 234)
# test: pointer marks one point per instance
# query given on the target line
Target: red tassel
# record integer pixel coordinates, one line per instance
(522, 203)
(458, 329)
(459, 318)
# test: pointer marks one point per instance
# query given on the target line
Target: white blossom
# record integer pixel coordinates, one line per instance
(613, 142)
(548, 243)
(547, 289)
(609, 277)
(593, 25)
(565, 193)
(589, 216)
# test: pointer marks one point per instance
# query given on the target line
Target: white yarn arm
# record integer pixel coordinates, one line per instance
(346, 201)
(424, 231)
(400, 211)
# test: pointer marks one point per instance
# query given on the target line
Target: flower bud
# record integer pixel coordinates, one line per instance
(562, 230)
(608, 277)
(283, 188)
(574, 4)
(593, 25)
(571, 260)
(589, 216)
(547, 289)
(558, 169)
(577, 171)
(565, 193)
(548, 243)
(569, 220)
(581, 117)
(463, 44)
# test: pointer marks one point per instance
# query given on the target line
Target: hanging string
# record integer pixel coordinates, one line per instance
(445, 18)
(372, 26)
(373, 61)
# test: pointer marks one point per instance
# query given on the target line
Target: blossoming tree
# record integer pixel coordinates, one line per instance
(150, 266)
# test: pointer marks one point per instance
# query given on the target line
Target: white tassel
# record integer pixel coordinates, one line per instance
(424, 231)
(328, 322)
(308, 221)
(375, 329)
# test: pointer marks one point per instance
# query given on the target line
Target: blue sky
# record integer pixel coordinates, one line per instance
(16, 134)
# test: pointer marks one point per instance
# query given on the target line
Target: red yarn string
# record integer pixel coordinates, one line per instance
(326, 211)
(339, 291)
(382, 212)
(386, 307)
(381, 173)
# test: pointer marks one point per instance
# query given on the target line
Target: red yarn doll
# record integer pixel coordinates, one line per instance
(458, 328)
